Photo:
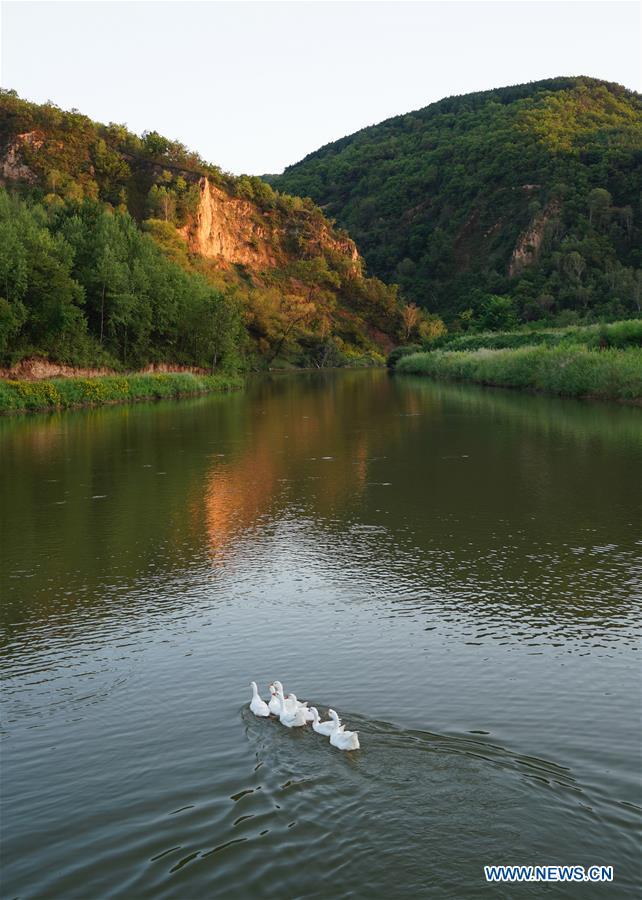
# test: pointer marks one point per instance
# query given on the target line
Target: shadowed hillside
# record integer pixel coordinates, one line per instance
(516, 204)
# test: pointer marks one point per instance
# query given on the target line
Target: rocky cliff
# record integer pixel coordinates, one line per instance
(529, 244)
(13, 168)
(299, 280)
(232, 230)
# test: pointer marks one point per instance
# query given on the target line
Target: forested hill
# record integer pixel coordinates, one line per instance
(521, 203)
(122, 250)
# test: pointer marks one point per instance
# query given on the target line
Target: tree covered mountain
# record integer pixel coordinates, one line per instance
(119, 249)
(516, 204)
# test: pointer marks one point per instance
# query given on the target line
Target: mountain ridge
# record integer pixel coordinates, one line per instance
(523, 89)
(441, 200)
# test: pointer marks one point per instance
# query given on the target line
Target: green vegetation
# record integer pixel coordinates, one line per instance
(64, 393)
(84, 285)
(514, 205)
(69, 156)
(94, 269)
(573, 371)
(616, 334)
(593, 361)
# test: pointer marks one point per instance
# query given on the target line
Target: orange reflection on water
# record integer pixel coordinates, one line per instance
(304, 441)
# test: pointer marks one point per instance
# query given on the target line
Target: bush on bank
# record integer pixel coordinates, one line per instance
(64, 393)
(574, 371)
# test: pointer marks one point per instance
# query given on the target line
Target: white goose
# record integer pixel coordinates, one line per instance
(288, 701)
(320, 727)
(281, 702)
(340, 738)
(292, 715)
(307, 712)
(259, 707)
(275, 704)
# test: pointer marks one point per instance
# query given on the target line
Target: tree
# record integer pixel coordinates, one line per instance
(465, 319)
(410, 317)
(161, 203)
(53, 180)
(53, 298)
(626, 217)
(574, 265)
(498, 313)
(112, 279)
(599, 204)
(431, 328)
(155, 144)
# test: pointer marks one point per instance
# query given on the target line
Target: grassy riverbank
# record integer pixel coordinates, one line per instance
(572, 371)
(621, 334)
(66, 393)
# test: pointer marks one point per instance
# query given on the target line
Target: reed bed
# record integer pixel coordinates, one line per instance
(572, 371)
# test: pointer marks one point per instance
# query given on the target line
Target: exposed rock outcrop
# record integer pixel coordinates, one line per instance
(13, 168)
(229, 229)
(296, 280)
(529, 243)
(232, 231)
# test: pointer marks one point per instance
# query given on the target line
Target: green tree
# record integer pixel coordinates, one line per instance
(498, 313)
(155, 144)
(599, 204)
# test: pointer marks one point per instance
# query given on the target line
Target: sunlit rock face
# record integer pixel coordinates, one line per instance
(236, 231)
(232, 230)
(13, 167)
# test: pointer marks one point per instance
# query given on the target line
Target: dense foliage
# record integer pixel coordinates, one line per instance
(73, 157)
(88, 284)
(84, 285)
(517, 204)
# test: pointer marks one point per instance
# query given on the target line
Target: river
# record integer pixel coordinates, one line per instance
(455, 570)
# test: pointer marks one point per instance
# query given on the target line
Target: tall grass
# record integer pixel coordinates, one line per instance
(627, 333)
(572, 371)
(64, 393)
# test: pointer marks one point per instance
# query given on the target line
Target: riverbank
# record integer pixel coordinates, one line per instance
(18, 396)
(610, 374)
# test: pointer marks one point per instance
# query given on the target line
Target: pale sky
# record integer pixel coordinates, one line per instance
(254, 86)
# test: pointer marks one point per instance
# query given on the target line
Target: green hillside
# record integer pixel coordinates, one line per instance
(516, 204)
(104, 259)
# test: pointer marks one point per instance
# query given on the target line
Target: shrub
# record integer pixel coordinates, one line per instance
(399, 352)
(618, 334)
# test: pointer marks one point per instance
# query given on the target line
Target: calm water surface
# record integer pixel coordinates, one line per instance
(453, 569)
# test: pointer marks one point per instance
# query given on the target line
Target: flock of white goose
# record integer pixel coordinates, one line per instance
(294, 714)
